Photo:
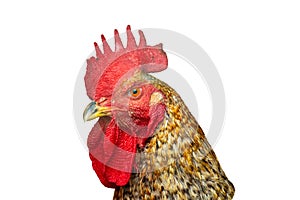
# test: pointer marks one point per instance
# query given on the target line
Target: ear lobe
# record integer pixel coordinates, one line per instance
(156, 98)
(157, 115)
(156, 112)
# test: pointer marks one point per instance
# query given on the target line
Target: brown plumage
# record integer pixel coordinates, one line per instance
(177, 161)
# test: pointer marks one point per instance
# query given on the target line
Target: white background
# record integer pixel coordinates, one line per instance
(254, 44)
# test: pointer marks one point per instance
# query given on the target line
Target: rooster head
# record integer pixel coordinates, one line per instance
(126, 103)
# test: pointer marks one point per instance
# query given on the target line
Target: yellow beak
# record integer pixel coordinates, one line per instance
(93, 110)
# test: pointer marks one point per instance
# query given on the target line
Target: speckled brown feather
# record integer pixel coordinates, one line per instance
(177, 162)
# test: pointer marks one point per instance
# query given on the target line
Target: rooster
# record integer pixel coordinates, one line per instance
(146, 144)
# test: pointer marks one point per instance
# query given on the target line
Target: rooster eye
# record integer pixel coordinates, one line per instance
(135, 92)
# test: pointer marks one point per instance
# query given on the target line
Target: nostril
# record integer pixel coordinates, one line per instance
(102, 99)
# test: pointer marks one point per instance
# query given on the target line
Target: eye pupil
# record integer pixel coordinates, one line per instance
(134, 91)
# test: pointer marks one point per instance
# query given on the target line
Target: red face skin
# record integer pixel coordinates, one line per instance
(114, 140)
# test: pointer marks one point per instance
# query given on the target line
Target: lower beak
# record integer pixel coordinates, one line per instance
(93, 110)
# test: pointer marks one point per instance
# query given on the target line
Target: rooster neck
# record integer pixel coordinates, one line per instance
(177, 161)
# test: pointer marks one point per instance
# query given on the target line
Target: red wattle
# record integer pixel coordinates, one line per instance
(113, 155)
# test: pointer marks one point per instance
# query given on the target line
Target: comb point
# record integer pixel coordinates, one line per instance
(143, 42)
(103, 38)
(118, 43)
(106, 47)
(116, 32)
(98, 51)
(131, 44)
(158, 46)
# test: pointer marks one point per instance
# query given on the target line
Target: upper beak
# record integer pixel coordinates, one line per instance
(93, 110)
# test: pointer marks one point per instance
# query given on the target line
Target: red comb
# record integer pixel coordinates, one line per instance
(104, 71)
